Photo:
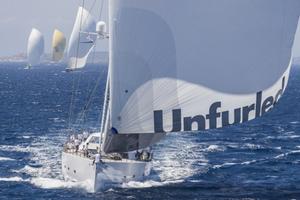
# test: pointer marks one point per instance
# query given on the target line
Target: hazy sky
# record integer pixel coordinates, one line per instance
(17, 17)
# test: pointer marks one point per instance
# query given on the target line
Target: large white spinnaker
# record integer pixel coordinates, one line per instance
(81, 41)
(58, 45)
(194, 65)
(35, 47)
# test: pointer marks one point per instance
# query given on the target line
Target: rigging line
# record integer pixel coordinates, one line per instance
(90, 10)
(101, 9)
(90, 98)
(99, 18)
(90, 82)
(74, 90)
(106, 97)
(71, 103)
(95, 46)
(105, 112)
(89, 87)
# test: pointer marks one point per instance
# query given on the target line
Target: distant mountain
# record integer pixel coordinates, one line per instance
(21, 57)
(94, 57)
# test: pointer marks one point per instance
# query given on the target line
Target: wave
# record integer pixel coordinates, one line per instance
(11, 179)
(6, 159)
(229, 164)
(148, 184)
(215, 148)
(176, 158)
(170, 165)
(287, 154)
(57, 120)
(32, 171)
(16, 148)
(284, 137)
(253, 146)
(50, 183)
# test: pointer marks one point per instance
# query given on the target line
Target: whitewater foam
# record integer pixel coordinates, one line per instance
(11, 179)
(229, 164)
(51, 183)
(169, 166)
(172, 164)
(215, 148)
(6, 159)
(287, 154)
(148, 184)
(17, 148)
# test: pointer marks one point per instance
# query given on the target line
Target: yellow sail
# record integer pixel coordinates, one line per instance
(58, 45)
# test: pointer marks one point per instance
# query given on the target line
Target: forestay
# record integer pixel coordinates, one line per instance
(35, 47)
(81, 41)
(58, 45)
(196, 65)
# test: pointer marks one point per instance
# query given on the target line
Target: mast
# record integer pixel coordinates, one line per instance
(103, 128)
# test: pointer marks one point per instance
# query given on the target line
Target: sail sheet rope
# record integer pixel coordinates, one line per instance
(92, 90)
(94, 51)
(74, 90)
(80, 120)
(76, 82)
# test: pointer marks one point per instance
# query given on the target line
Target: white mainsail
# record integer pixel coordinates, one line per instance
(58, 45)
(81, 41)
(35, 47)
(194, 65)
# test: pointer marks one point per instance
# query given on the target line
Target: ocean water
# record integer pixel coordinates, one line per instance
(259, 159)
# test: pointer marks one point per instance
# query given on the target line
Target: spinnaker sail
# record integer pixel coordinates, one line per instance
(58, 45)
(189, 66)
(81, 41)
(35, 47)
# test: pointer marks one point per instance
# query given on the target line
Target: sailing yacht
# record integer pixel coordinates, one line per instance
(35, 47)
(182, 66)
(58, 45)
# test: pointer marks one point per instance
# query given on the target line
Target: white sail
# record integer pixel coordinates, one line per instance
(81, 42)
(35, 47)
(58, 45)
(196, 65)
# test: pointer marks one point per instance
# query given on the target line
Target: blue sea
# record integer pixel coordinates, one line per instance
(256, 160)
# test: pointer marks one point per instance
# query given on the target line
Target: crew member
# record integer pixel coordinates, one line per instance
(77, 143)
(97, 158)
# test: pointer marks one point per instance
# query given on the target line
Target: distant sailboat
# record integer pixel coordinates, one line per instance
(35, 48)
(182, 66)
(81, 41)
(58, 45)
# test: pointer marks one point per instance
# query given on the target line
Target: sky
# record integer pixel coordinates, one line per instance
(18, 17)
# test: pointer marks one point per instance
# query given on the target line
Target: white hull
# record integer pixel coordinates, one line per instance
(106, 173)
